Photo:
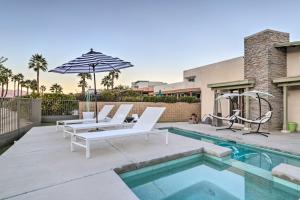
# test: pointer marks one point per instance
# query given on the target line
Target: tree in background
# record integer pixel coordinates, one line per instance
(23, 85)
(56, 88)
(109, 80)
(14, 79)
(122, 87)
(42, 89)
(5, 75)
(106, 81)
(2, 60)
(33, 85)
(37, 63)
(113, 75)
(83, 81)
(19, 78)
(27, 84)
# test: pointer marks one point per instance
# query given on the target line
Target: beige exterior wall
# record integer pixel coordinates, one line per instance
(228, 70)
(175, 112)
(293, 61)
(293, 69)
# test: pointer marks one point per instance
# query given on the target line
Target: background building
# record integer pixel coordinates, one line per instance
(188, 87)
(145, 87)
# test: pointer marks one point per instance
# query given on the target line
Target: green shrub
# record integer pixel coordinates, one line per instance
(150, 99)
(188, 99)
(131, 99)
(166, 99)
(108, 95)
(58, 104)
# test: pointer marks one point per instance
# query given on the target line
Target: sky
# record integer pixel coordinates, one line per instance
(161, 38)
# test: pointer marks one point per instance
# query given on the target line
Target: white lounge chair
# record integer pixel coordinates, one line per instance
(259, 121)
(231, 119)
(117, 120)
(102, 116)
(144, 126)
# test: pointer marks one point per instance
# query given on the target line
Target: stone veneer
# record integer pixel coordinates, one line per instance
(263, 63)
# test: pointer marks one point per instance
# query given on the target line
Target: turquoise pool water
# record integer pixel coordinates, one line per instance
(258, 157)
(202, 178)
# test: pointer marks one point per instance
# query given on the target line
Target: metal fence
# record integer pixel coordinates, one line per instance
(15, 113)
(51, 107)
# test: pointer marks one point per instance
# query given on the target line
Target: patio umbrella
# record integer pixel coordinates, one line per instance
(92, 62)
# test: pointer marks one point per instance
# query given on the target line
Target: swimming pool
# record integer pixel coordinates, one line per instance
(201, 177)
(263, 158)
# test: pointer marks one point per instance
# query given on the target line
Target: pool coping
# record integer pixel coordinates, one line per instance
(267, 148)
(155, 161)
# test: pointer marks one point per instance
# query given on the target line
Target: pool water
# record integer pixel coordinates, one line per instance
(199, 177)
(259, 157)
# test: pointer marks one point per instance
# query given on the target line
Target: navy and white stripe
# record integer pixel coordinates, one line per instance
(85, 63)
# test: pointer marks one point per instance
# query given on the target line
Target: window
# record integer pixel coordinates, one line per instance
(190, 78)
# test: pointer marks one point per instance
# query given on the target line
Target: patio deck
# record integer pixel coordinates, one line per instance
(41, 166)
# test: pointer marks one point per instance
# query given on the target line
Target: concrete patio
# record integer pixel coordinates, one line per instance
(41, 166)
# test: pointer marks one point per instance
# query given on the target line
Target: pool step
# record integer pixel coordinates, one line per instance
(287, 174)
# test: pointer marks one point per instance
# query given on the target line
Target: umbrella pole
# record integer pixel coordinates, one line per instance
(95, 92)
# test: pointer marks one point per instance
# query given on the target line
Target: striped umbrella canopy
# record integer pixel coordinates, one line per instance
(92, 62)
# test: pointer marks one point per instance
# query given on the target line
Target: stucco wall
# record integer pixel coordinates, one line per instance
(293, 61)
(228, 70)
(175, 112)
(293, 69)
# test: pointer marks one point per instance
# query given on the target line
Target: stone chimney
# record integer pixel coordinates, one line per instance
(263, 63)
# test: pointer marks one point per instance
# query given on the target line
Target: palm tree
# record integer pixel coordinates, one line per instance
(33, 85)
(2, 60)
(2, 78)
(22, 84)
(37, 63)
(5, 75)
(113, 75)
(27, 84)
(106, 81)
(19, 77)
(56, 88)
(83, 83)
(14, 79)
(43, 89)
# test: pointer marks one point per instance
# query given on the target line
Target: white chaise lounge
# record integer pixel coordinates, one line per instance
(102, 116)
(144, 126)
(117, 120)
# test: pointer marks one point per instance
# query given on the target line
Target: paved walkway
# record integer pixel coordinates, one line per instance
(286, 142)
(41, 166)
